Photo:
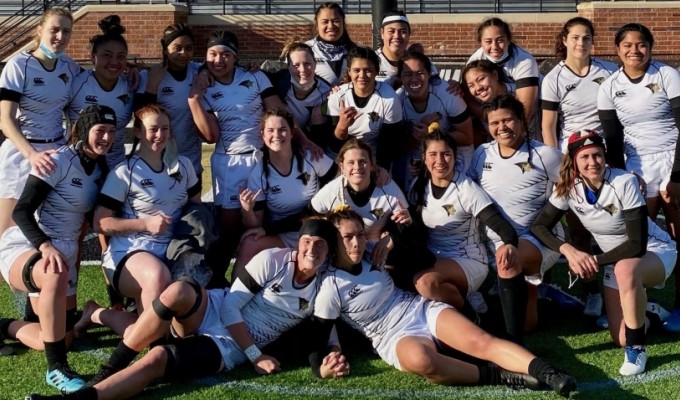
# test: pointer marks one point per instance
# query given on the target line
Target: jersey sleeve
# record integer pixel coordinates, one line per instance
(59, 172)
(474, 170)
(259, 270)
(333, 103)
(632, 196)
(605, 102)
(143, 81)
(12, 80)
(474, 198)
(550, 98)
(255, 182)
(553, 161)
(559, 202)
(327, 304)
(322, 202)
(117, 183)
(321, 165)
(393, 109)
(671, 80)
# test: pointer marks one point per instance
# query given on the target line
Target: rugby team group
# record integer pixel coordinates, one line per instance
(355, 190)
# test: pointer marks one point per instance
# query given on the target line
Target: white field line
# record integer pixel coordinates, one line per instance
(444, 392)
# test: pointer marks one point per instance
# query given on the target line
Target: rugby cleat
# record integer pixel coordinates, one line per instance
(64, 379)
(634, 361)
(104, 372)
(561, 382)
(519, 381)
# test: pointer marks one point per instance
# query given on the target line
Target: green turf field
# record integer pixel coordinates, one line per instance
(569, 341)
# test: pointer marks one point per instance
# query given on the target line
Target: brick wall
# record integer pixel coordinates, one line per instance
(446, 35)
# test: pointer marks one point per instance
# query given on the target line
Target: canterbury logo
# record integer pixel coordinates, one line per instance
(167, 90)
(487, 166)
(276, 288)
(38, 81)
(580, 211)
(620, 93)
(77, 182)
(217, 95)
(109, 117)
(90, 99)
(146, 183)
(354, 292)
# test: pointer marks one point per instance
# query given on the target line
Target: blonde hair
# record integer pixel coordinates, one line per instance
(54, 11)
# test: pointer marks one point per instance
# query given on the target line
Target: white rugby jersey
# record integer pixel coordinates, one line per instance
(388, 69)
(440, 101)
(145, 192)
(278, 306)
(453, 228)
(287, 195)
(520, 67)
(383, 201)
(238, 107)
(302, 108)
(518, 188)
(86, 91)
(368, 302)
(172, 96)
(643, 107)
(323, 67)
(73, 195)
(383, 107)
(604, 219)
(574, 97)
(41, 94)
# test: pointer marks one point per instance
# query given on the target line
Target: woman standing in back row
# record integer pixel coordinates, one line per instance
(331, 43)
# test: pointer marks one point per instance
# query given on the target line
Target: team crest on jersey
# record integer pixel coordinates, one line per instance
(653, 87)
(124, 98)
(373, 116)
(39, 81)
(524, 166)
(611, 209)
(146, 183)
(304, 177)
(354, 292)
(247, 84)
(378, 212)
(64, 78)
(450, 209)
(599, 80)
(304, 304)
(487, 166)
(77, 182)
(276, 288)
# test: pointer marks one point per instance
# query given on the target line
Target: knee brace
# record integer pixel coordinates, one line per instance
(27, 272)
(162, 311)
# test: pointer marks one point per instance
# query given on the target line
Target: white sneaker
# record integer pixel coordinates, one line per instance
(477, 302)
(593, 306)
(655, 308)
(634, 361)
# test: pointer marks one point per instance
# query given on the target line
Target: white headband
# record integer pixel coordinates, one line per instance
(395, 18)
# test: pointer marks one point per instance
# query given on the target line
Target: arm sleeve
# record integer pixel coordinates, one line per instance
(612, 130)
(389, 141)
(636, 245)
(675, 107)
(490, 217)
(23, 215)
(543, 225)
(319, 332)
(248, 283)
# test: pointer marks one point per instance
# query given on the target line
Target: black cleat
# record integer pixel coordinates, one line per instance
(517, 381)
(105, 371)
(562, 383)
(5, 349)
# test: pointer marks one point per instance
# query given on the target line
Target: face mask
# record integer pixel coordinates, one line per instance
(49, 53)
(505, 55)
(297, 84)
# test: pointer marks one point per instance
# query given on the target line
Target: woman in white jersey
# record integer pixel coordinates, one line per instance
(220, 329)
(168, 84)
(39, 255)
(519, 66)
(34, 89)
(405, 329)
(105, 83)
(639, 107)
(568, 105)
(452, 206)
(518, 174)
(365, 109)
(637, 254)
(138, 206)
(279, 189)
(424, 102)
(331, 43)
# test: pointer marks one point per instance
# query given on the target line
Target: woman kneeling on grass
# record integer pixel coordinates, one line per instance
(405, 329)
(637, 253)
(223, 328)
(38, 256)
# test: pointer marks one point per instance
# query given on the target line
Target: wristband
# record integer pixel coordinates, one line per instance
(253, 353)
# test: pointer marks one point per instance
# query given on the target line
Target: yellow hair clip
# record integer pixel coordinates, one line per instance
(340, 208)
(433, 127)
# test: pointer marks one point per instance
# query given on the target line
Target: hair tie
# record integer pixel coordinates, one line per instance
(433, 127)
(341, 208)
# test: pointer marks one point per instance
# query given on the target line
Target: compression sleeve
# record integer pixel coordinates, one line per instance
(675, 174)
(636, 245)
(542, 227)
(490, 217)
(613, 136)
(318, 333)
(34, 194)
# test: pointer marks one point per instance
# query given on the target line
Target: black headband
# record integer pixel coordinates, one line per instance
(321, 228)
(229, 44)
(184, 31)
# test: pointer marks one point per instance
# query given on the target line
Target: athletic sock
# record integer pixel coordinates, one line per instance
(86, 393)
(489, 375)
(514, 295)
(4, 328)
(635, 337)
(55, 352)
(539, 368)
(122, 356)
(29, 312)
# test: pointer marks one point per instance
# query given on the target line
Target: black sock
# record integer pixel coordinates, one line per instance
(514, 295)
(29, 313)
(489, 375)
(86, 393)
(591, 287)
(635, 337)
(4, 328)
(122, 356)
(55, 352)
(539, 368)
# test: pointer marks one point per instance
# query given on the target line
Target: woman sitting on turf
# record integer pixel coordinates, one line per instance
(220, 329)
(406, 329)
(39, 255)
(637, 254)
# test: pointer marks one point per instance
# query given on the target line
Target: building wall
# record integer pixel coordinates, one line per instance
(262, 36)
